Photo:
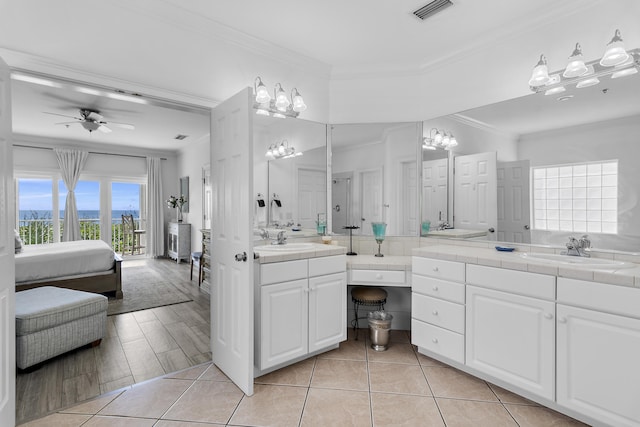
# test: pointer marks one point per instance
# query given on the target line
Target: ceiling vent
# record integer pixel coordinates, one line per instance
(432, 8)
(180, 137)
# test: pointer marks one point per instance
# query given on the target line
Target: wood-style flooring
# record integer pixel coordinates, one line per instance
(138, 346)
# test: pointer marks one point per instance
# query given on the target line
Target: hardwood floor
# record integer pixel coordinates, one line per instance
(138, 346)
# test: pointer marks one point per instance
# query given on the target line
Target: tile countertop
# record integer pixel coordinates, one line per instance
(514, 261)
(370, 262)
(313, 250)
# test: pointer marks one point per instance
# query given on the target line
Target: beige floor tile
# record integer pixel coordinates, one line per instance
(395, 378)
(428, 361)
(296, 374)
(118, 384)
(348, 350)
(396, 336)
(395, 353)
(149, 399)
(142, 360)
(144, 316)
(59, 420)
(505, 396)
(166, 423)
(214, 374)
(465, 413)
(452, 383)
(101, 421)
(127, 327)
(199, 404)
(404, 410)
(92, 406)
(158, 336)
(538, 416)
(189, 374)
(271, 405)
(326, 407)
(173, 360)
(340, 374)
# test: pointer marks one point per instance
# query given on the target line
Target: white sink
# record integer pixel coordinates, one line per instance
(287, 247)
(457, 232)
(597, 263)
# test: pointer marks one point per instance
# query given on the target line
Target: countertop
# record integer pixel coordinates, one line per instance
(515, 261)
(310, 250)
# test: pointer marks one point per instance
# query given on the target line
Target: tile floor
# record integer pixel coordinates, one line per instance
(349, 386)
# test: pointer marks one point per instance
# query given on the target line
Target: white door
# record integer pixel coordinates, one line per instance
(513, 202)
(408, 212)
(475, 193)
(312, 196)
(588, 340)
(7, 263)
(370, 199)
(231, 239)
(511, 337)
(434, 190)
(327, 310)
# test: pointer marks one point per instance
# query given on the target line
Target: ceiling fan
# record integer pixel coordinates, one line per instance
(92, 120)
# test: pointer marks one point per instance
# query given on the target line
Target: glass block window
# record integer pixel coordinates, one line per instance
(580, 197)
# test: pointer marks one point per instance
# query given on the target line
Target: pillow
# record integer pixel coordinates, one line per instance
(18, 242)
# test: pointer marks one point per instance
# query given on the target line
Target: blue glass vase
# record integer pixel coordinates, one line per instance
(379, 230)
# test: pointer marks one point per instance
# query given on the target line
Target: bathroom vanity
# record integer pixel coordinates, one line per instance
(300, 303)
(562, 331)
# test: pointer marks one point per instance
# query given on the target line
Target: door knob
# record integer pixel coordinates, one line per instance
(492, 230)
(241, 257)
(337, 208)
(526, 227)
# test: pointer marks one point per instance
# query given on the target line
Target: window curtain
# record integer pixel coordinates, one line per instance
(71, 163)
(155, 208)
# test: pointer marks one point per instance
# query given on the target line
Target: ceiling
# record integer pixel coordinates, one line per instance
(201, 52)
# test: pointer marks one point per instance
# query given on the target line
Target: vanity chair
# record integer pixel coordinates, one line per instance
(367, 296)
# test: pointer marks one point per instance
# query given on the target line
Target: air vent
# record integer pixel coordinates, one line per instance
(180, 137)
(432, 8)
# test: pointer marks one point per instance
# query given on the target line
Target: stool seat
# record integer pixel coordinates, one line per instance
(366, 295)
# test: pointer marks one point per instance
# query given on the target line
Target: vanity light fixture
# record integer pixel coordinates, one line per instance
(437, 140)
(616, 62)
(281, 151)
(279, 106)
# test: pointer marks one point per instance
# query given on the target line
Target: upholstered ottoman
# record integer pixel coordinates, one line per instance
(51, 321)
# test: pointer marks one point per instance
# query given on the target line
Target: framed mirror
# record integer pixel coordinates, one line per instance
(566, 165)
(184, 191)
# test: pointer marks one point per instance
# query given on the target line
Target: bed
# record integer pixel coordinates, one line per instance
(85, 265)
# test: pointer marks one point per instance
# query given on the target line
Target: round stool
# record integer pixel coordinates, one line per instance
(196, 257)
(368, 296)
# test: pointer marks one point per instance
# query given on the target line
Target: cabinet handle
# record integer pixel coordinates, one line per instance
(379, 276)
(548, 316)
(434, 340)
(435, 312)
(562, 319)
(435, 288)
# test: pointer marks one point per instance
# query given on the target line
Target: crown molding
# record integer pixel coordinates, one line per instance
(477, 124)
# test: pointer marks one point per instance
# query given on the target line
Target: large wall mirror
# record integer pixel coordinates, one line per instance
(374, 175)
(290, 176)
(542, 168)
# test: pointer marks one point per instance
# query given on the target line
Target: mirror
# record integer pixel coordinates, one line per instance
(290, 184)
(374, 177)
(184, 191)
(571, 132)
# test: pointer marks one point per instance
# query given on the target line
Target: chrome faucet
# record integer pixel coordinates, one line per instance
(444, 225)
(578, 247)
(281, 238)
(264, 234)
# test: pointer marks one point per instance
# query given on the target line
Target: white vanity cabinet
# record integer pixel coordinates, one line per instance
(437, 307)
(179, 241)
(510, 327)
(303, 309)
(598, 340)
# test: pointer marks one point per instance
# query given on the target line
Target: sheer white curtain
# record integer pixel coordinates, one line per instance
(71, 163)
(155, 208)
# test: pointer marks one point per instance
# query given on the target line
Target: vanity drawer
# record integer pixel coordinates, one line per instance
(513, 281)
(378, 276)
(283, 271)
(327, 265)
(437, 288)
(622, 300)
(438, 340)
(438, 312)
(440, 269)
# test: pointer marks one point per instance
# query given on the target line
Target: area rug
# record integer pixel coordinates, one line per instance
(142, 289)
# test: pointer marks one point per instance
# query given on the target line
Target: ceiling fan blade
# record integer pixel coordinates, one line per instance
(104, 129)
(62, 115)
(123, 125)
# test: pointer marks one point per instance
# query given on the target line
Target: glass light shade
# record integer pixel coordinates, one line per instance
(262, 94)
(282, 102)
(540, 73)
(453, 142)
(587, 82)
(615, 53)
(438, 138)
(555, 90)
(625, 72)
(576, 66)
(446, 140)
(281, 148)
(298, 104)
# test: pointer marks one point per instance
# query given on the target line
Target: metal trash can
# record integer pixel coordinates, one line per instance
(379, 327)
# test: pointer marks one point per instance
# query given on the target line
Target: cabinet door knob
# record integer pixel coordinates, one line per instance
(548, 316)
(435, 312)
(379, 276)
(241, 257)
(435, 288)
(562, 319)
(434, 340)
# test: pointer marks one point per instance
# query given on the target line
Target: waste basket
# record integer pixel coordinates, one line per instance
(379, 327)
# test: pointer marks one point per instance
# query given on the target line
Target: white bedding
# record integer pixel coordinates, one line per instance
(55, 260)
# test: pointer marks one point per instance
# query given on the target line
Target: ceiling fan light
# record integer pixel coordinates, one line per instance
(540, 73)
(262, 94)
(615, 53)
(576, 66)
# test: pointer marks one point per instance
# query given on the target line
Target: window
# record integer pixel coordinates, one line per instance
(35, 210)
(580, 197)
(88, 205)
